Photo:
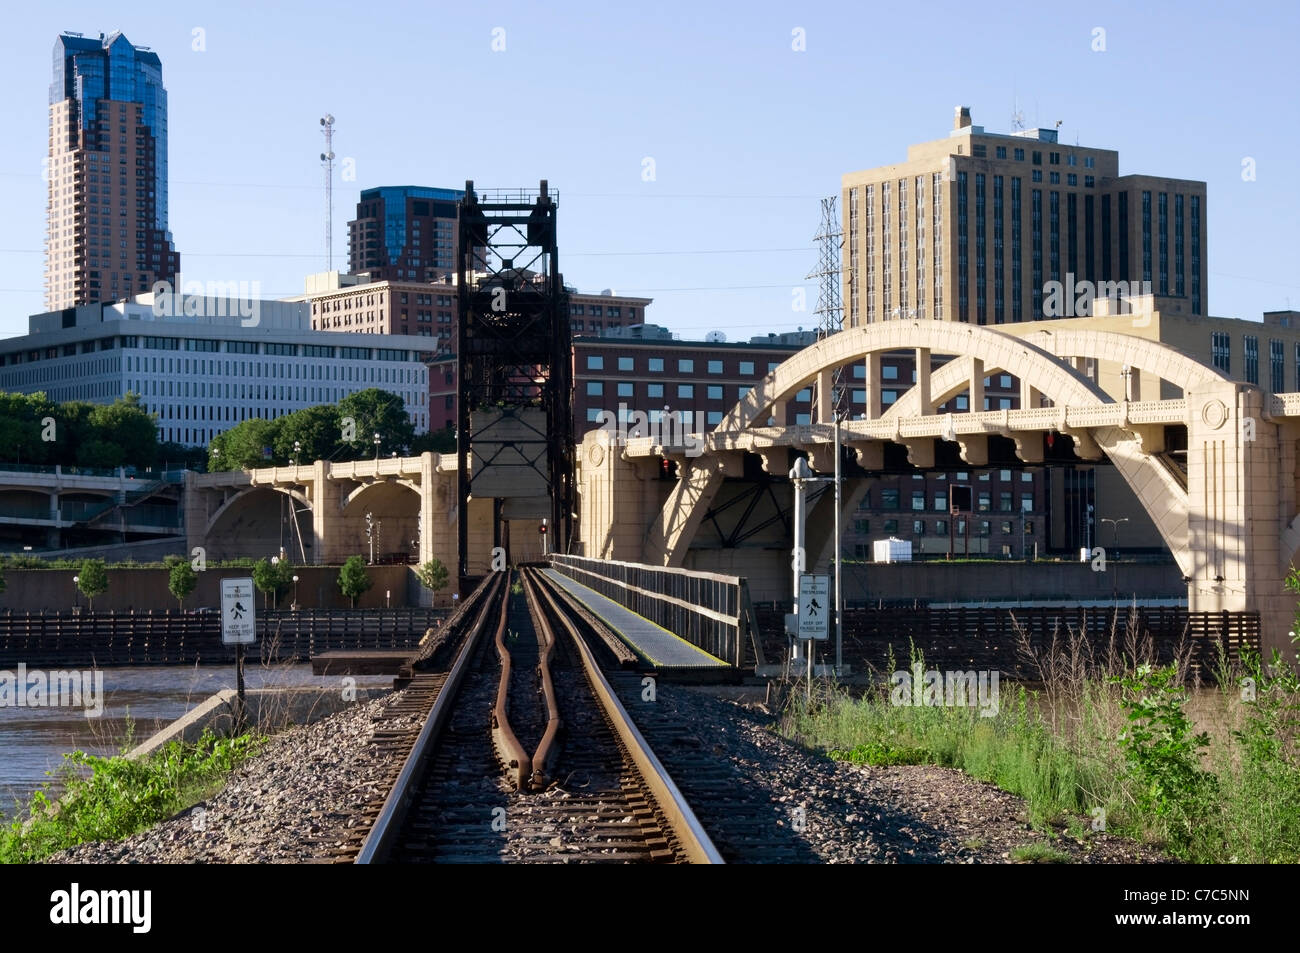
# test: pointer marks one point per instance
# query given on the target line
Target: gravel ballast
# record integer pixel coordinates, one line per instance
(303, 791)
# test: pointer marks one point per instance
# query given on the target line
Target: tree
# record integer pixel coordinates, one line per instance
(317, 431)
(128, 427)
(437, 441)
(244, 446)
(376, 411)
(272, 579)
(353, 578)
(433, 575)
(92, 580)
(181, 579)
(21, 428)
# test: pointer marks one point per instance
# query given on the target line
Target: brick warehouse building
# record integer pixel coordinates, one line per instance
(359, 303)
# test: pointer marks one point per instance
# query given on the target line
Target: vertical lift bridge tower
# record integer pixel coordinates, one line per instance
(515, 367)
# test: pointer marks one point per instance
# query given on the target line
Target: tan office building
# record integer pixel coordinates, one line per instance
(975, 226)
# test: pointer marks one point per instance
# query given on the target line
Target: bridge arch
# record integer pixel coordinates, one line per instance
(996, 350)
(241, 499)
(1152, 357)
(1052, 375)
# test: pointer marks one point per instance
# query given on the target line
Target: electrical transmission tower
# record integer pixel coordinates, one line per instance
(830, 307)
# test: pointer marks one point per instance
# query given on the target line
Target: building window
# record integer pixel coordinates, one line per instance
(918, 527)
(918, 500)
(714, 417)
(889, 499)
(715, 392)
(891, 527)
(746, 368)
(1221, 351)
(656, 365)
(626, 363)
(686, 391)
(654, 390)
(715, 367)
(1277, 366)
(685, 366)
(595, 362)
(1251, 357)
(941, 502)
(624, 389)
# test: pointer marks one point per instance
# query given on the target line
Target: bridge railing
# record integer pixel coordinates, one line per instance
(708, 610)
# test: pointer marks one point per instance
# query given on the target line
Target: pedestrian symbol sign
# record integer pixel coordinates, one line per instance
(237, 612)
(814, 606)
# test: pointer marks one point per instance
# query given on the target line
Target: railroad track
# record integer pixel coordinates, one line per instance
(399, 727)
(529, 756)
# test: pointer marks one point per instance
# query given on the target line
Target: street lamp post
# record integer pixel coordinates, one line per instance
(76, 588)
(1114, 578)
(377, 442)
(295, 592)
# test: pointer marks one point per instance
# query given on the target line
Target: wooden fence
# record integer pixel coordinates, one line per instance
(168, 637)
(1010, 640)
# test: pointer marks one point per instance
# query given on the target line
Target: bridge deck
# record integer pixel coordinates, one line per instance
(651, 642)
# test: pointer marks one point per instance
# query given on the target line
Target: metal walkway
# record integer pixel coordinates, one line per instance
(651, 642)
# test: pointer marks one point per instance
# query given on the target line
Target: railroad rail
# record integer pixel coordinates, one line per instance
(527, 754)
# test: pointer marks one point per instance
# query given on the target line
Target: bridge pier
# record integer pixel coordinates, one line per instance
(1236, 462)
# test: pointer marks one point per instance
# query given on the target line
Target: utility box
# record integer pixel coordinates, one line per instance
(892, 550)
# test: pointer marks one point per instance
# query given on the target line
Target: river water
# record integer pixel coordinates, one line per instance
(138, 700)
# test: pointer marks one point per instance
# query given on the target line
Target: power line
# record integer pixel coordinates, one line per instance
(572, 254)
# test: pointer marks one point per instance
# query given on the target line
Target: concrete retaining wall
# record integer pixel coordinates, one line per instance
(266, 709)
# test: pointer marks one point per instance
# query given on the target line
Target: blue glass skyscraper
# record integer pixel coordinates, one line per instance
(108, 234)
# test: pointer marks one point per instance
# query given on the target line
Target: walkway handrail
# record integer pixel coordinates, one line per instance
(704, 608)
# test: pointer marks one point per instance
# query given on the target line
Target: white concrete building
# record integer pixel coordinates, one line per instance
(203, 364)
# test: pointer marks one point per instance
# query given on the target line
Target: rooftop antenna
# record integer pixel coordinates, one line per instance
(327, 163)
(1017, 115)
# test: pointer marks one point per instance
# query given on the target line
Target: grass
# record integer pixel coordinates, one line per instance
(109, 798)
(1038, 854)
(1110, 741)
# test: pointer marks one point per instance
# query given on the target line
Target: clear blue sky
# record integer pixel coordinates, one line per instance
(745, 132)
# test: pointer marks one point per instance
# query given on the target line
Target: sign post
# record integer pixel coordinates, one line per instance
(238, 628)
(814, 613)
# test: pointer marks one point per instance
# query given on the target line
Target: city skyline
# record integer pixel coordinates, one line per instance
(726, 206)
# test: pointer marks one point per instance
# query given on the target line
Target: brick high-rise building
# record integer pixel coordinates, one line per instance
(404, 233)
(107, 236)
(974, 227)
